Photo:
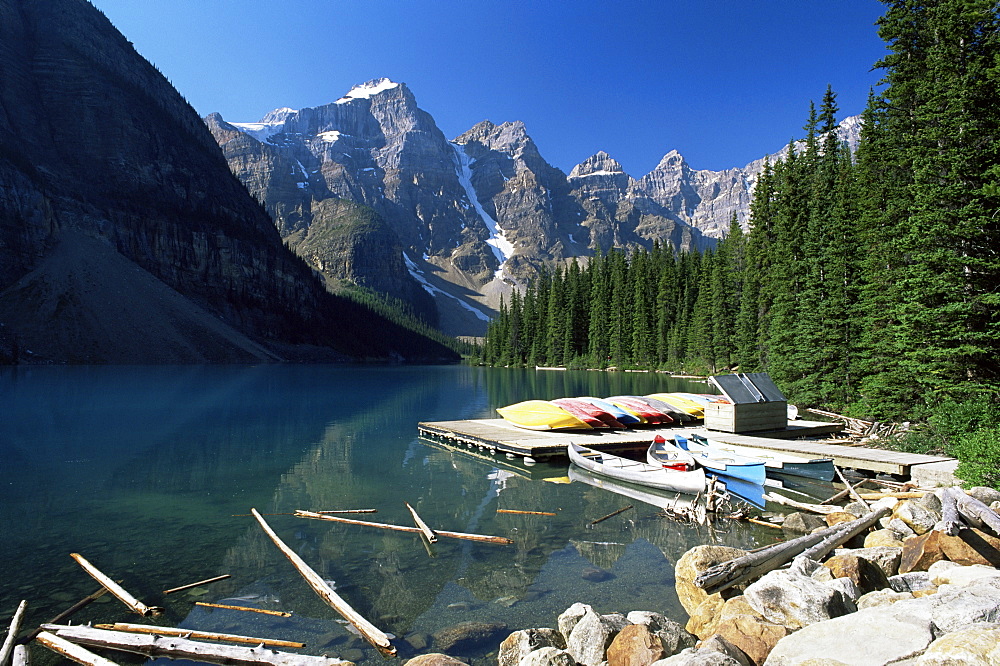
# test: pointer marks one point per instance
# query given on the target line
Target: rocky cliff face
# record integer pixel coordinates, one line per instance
(475, 217)
(124, 236)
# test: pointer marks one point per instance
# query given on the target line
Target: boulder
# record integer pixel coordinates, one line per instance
(858, 638)
(635, 645)
(856, 509)
(848, 591)
(972, 546)
(955, 606)
(882, 538)
(919, 552)
(705, 617)
(900, 528)
(802, 523)
(592, 635)
(985, 495)
(794, 600)
(673, 637)
(719, 644)
(435, 659)
(881, 598)
(975, 645)
(468, 635)
(692, 563)
(569, 617)
(519, 644)
(866, 575)
(913, 581)
(692, 657)
(547, 656)
(885, 558)
(839, 517)
(952, 573)
(931, 502)
(916, 516)
(744, 627)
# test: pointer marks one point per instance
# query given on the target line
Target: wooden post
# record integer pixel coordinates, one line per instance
(182, 648)
(427, 531)
(116, 589)
(202, 635)
(15, 626)
(72, 650)
(403, 528)
(368, 631)
(198, 584)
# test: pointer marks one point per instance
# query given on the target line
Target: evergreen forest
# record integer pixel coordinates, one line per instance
(867, 283)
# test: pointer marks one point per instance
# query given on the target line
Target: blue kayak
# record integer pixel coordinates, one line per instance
(722, 462)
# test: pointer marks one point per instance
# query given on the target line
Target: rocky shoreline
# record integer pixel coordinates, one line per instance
(922, 589)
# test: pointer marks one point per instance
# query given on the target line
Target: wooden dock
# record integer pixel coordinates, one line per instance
(495, 436)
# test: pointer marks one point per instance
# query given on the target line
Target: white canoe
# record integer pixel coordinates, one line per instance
(643, 474)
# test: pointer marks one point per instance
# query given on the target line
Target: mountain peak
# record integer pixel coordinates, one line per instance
(368, 89)
(673, 159)
(277, 116)
(598, 164)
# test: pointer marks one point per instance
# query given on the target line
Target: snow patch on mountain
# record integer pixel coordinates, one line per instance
(503, 249)
(261, 131)
(414, 271)
(366, 90)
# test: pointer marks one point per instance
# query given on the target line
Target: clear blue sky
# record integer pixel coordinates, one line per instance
(724, 81)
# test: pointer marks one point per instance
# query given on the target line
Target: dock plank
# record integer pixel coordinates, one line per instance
(499, 436)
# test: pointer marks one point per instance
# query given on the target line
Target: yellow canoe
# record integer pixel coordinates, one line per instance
(684, 404)
(540, 415)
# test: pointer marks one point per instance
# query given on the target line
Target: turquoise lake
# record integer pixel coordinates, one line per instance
(145, 471)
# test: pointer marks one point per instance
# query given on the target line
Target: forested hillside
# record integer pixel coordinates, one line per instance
(867, 282)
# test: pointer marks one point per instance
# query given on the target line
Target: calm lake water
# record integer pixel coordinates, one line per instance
(144, 470)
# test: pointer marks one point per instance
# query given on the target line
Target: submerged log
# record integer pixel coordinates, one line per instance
(527, 513)
(197, 635)
(116, 589)
(71, 650)
(244, 608)
(69, 612)
(822, 509)
(198, 584)
(611, 515)
(15, 626)
(403, 528)
(427, 531)
(368, 631)
(182, 648)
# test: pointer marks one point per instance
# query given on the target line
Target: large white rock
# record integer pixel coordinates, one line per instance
(976, 645)
(870, 637)
(592, 635)
(944, 572)
(672, 635)
(547, 656)
(794, 600)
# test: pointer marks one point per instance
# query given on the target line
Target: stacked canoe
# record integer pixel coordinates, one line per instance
(618, 412)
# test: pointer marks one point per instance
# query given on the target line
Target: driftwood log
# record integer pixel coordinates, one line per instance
(116, 589)
(975, 512)
(71, 650)
(20, 656)
(752, 565)
(823, 509)
(850, 488)
(15, 626)
(527, 513)
(419, 522)
(611, 515)
(263, 611)
(182, 648)
(951, 520)
(197, 635)
(66, 614)
(368, 631)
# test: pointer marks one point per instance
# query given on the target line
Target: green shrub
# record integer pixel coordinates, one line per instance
(978, 453)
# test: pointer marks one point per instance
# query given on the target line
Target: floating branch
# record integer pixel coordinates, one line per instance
(403, 528)
(202, 635)
(527, 513)
(244, 608)
(241, 515)
(368, 631)
(823, 509)
(198, 584)
(611, 515)
(15, 626)
(116, 589)
(72, 650)
(427, 531)
(182, 648)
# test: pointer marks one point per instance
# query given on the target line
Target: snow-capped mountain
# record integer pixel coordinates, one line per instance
(464, 221)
